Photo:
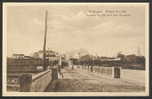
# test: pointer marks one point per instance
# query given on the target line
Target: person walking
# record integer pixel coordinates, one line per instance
(59, 71)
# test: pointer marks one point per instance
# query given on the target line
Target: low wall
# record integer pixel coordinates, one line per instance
(38, 82)
(41, 81)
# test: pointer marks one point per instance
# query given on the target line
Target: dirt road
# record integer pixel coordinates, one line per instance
(79, 80)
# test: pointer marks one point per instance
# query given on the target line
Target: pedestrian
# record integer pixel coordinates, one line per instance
(60, 72)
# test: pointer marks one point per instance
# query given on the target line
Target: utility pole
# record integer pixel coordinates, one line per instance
(44, 46)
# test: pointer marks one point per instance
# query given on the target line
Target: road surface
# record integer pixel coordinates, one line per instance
(79, 80)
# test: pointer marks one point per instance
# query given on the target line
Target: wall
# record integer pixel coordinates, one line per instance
(41, 81)
(38, 82)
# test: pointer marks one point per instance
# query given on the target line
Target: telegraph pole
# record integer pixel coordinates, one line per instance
(44, 46)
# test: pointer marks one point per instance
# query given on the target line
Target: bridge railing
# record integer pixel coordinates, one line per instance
(113, 71)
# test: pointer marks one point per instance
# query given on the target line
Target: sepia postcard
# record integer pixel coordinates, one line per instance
(75, 49)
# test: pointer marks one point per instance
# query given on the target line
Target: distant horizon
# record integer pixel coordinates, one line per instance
(94, 54)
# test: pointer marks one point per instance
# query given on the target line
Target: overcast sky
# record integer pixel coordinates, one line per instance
(70, 28)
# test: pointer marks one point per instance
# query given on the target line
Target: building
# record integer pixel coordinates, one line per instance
(18, 56)
(51, 55)
(24, 64)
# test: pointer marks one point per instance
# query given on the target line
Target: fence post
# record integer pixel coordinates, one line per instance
(116, 72)
(25, 82)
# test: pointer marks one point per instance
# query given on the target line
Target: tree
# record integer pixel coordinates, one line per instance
(122, 57)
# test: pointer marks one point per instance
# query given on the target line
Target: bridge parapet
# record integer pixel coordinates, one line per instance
(113, 71)
(38, 82)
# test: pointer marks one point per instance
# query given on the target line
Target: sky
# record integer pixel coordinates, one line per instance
(72, 27)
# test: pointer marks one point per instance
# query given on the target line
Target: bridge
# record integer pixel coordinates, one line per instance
(78, 78)
(83, 79)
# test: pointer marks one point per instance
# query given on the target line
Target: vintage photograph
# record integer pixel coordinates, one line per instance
(75, 49)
